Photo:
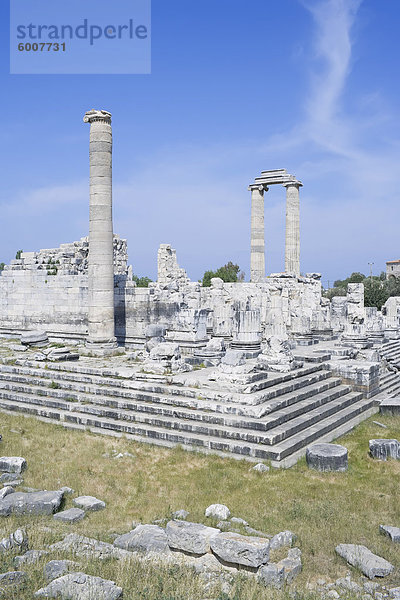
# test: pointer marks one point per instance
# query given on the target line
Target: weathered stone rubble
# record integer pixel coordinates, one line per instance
(359, 556)
(34, 503)
(382, 449)
(79, 586)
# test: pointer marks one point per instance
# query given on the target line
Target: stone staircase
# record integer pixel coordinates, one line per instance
(276, 422)
(390, 380)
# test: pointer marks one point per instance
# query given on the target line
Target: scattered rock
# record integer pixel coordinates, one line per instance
(15, 541)
(79, 586)
(72, 515)
(190, 537)
(30, 557)
(12, 578)
(392, 532)
(180, 514)
(394, 593)
(56, 568)
(35, 503)
(89, 547)
(239, 521)
(89, 503)
(5, 491)
(362, 558)
(272, 575)
(144, 538)
(218, 511)
(327, 457)
(292, 564)
(260, 468)
(284, 538)
(333, 594)
(382, 449)
(257, 533)
(12, 464)
(380, 424)
(347, 584)
(241, 549)
(67, 490)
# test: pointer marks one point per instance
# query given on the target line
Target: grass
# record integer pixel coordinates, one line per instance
(322, 509)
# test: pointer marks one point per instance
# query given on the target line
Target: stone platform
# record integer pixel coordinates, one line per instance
(273, 421)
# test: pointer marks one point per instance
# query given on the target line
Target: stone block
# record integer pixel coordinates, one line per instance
(327, 457)
(89, 503)
(72, 515)
(382, 449)
(362, 558)
(218, 511)
(392, 532)
(241, 549)
(144, 538)
(77, 586)
(190, 537)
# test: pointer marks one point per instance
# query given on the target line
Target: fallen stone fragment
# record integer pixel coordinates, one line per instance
(382, 449)
(89, 503)
(362, 558)
(394, 593)
(241, 549)
(260, 468)
(35, 503)
(347, 584)
(284, 538)
(144, 538)
(218, 511)
(79, 586)
(180, 514)
(327, 457)
(258, 533)
(190, 537)
(30, 557)
(292, 564)
(34, 338)
(15, 541)
(12, 464)
(56, 568)
(5, 491)
(12, 578)
(380, 424)
(392, 532)
(239, 521)
(89, 547)
(272, 575)
(72, 515)
(390, 406)
(67, 490)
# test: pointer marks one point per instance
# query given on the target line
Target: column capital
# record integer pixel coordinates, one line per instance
(261, 187)
(97, 115)
(293, 182)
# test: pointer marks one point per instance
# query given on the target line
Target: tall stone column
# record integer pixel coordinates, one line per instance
(101, 333)
(292, 246)
(257, 256)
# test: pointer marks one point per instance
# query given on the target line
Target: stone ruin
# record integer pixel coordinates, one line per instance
(242, 337)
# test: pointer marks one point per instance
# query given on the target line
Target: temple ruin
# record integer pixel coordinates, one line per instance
(256, 369)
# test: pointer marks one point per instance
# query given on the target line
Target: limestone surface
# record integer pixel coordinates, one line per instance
(89, 503)
(190, 537)
(12, 464)
(359, 556)
(56, 568)
(272, 575)
(72, 515)
(33, 503)
(79, 586)
(392, 532)
(144, 538)
(241, 549)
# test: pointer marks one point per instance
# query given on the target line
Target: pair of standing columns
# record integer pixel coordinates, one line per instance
(292, 245)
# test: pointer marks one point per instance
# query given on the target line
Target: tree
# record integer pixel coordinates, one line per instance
(354, 278)
(18, 255)
(229, 273)
(375, 293)
(142, 282)
(2, 265)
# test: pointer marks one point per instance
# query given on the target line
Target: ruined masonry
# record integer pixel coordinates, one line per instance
(258, 370)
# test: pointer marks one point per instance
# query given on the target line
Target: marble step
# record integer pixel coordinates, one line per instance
(147, 412)
(201, 398)
(236, 448)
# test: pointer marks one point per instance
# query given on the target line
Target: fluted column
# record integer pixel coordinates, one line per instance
(257, 255)
(292, 246)
(101, 332)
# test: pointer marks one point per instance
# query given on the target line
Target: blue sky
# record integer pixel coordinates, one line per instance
(236, 88)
